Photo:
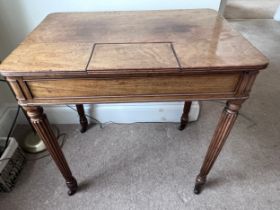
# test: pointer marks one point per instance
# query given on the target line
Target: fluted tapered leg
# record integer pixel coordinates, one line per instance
(83, 119)
(41, 124)
(185, 115)
(222, 131)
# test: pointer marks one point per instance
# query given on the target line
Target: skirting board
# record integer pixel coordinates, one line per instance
(124, 112)
(118, 113)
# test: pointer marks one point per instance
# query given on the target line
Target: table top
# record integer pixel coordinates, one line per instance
(174, 41)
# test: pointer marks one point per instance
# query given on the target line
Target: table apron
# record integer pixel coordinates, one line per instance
(132, 89)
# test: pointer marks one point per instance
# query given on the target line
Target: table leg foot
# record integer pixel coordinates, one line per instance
(182, 126)
(72, 185)
(185, 115)
(83, 119)
(199, 182)
(83, 129)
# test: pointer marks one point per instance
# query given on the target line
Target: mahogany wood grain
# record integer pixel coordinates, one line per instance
(110, 57)
(223, 83)
(50, 57)
(201, 40)
(222, 131)
(42, 126)
(138, 56)
(185, 115)
(82, 116)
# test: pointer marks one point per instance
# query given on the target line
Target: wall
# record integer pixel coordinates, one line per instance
(19, 17)
(277, 14)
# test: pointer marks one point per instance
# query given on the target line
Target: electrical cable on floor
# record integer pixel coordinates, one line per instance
(10, 132)
(96, 121)
(241, 114)
(44, 155)
(11, 129)
(102, 125)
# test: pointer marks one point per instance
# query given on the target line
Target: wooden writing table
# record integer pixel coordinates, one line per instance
(107, 57)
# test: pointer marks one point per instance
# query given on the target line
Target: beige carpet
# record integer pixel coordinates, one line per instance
(153, 166)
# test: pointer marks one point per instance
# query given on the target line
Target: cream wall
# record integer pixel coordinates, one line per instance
(277, 14)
